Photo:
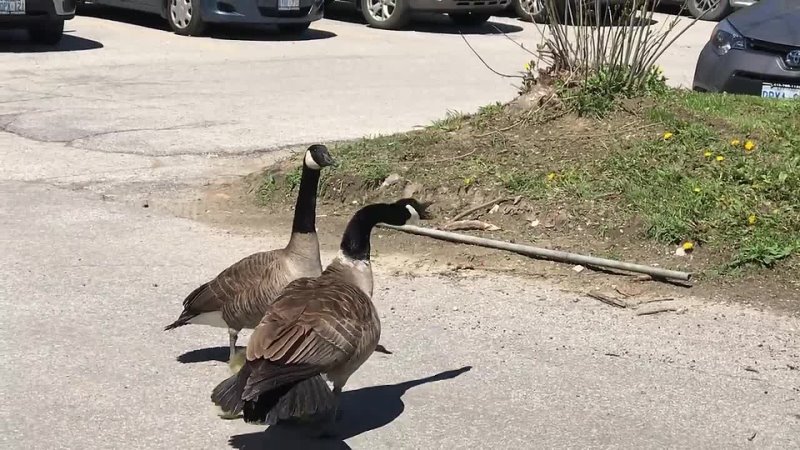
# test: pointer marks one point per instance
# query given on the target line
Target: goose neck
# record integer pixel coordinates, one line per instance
(305, 211)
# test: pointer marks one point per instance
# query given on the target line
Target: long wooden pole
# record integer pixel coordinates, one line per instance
(543, 253)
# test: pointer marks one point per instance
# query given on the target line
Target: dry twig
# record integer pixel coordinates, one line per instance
(656, 311)
(607, 299)
(479, 207)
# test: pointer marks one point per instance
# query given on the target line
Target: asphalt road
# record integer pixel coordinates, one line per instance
(89, 278)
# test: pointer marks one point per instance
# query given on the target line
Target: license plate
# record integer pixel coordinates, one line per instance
(286, 5)
(12, 7)
(782, 91)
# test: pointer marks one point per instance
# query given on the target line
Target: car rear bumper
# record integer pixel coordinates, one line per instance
(260, 12)
(37, 11)
(455, 6)
(741, 71)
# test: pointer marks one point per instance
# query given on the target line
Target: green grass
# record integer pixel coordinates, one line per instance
(746, 205)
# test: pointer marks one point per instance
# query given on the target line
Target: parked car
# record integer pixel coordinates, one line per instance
(395, 14)
(754, 51)
(715, 10)
(191, 17)
(536, 10)
(44, 19)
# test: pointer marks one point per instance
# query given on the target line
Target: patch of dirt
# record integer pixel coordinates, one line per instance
(455, 165)
(230, 206)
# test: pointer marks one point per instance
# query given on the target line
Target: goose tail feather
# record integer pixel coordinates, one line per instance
(228, 394)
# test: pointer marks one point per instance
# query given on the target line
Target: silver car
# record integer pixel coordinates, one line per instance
(754, 51)
(191, 17)
(711, 10)
(44, 19)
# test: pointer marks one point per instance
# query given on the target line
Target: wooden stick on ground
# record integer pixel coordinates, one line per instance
(656, 311)
(543, 253)
(607, 299)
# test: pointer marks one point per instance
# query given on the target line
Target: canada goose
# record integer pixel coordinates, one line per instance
(319, 326)
(239, 295)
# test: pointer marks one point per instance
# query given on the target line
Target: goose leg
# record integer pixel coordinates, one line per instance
(233, 336)
(327, 429)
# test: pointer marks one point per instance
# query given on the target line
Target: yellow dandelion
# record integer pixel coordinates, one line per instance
(749, 146)
(527, 67)
(751, 219)
(551, 176)
(667, 135)
(735, 142)
(688, 246)
(720, 158)
(697, 189)
(708, 154)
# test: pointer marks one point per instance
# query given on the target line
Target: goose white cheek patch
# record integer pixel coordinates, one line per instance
(414, 215)
(310, 163)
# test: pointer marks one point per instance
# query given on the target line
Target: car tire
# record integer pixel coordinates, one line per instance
(715, 13)
(388, 18)
(184, 17)
(47, 33)
(530, 10)
(469, 19)
(293, 28)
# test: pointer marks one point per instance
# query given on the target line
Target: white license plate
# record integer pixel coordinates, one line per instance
(782, 91)
(285, 5)
(12, 7)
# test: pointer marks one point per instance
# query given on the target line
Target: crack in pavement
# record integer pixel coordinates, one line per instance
(75, 142)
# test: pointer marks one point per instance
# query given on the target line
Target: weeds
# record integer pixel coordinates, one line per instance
(600, 53)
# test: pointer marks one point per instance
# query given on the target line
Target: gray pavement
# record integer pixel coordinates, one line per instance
(90, 277)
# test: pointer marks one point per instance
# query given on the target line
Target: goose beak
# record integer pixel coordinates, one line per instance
(327, 160)
(424, 213)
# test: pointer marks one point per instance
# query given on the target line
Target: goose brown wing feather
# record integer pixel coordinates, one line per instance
(314, 322)
(248, 279)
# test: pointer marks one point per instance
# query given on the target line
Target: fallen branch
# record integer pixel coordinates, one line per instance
(608, 300)
(656, 311)
(479, 207)
(470, 225)
(552, 255)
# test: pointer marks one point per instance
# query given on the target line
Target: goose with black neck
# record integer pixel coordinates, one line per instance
(238, 296)
(318, 326)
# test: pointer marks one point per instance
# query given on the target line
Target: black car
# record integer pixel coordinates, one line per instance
(44, 19)
(755, 51)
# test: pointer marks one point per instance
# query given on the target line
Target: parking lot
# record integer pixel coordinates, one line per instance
(124, 110)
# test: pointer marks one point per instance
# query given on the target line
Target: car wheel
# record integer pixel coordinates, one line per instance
(47, 33)
(386, 14)
(294, 28)
(469, 19)
(530, 10)
(184, 17)
(715, 10)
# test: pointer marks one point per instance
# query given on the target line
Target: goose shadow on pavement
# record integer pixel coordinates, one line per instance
(363, 410)
(221, 354)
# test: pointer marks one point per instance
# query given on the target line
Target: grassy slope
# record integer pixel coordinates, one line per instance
(606, 176)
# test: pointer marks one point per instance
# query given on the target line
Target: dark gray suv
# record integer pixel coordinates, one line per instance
(44, 19)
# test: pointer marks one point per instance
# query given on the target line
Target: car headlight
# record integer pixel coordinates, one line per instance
(725, 37)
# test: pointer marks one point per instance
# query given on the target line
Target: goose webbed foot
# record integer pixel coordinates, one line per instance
(381, 349)
(327, 429)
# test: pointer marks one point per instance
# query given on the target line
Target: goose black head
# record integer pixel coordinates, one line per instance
(410, 210)
(317, 157)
